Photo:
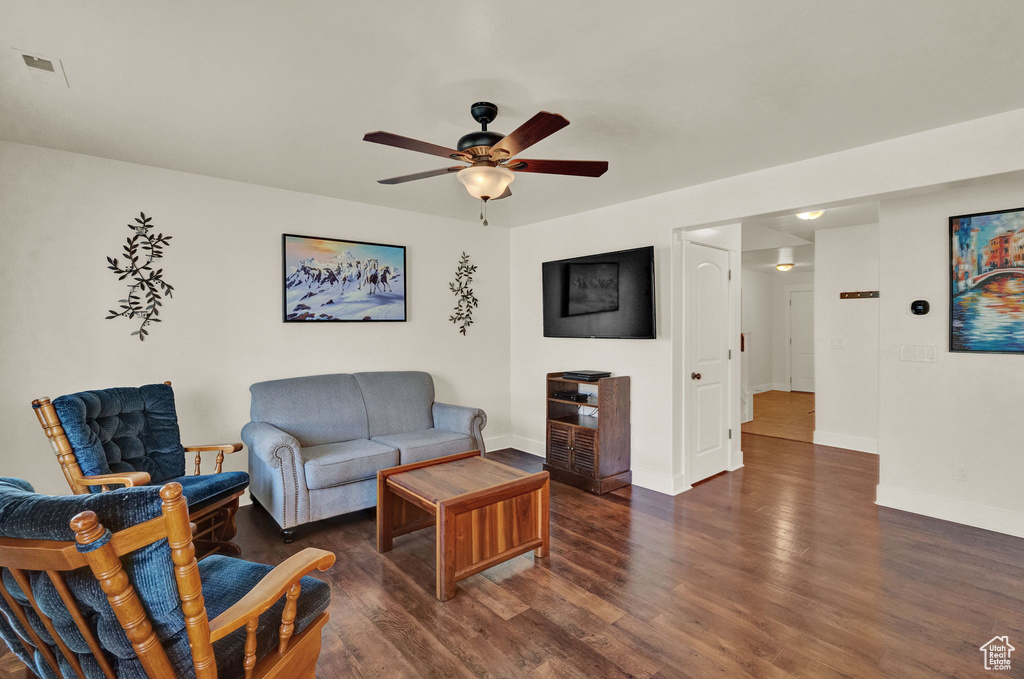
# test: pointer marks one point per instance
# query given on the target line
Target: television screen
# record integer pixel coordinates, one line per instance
(608, 296)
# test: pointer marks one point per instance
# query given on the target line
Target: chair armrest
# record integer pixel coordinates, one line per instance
(264, 439)
(461, 419)
(221, 449)
(126, 479)
(268, 590)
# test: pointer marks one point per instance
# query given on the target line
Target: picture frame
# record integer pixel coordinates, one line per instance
(986, 282)
(332, 280)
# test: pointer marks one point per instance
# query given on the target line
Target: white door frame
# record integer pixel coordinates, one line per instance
(683, 463)
(790, 289)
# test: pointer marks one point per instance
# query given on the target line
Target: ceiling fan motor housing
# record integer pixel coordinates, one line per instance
(483, 112)
(480, 138)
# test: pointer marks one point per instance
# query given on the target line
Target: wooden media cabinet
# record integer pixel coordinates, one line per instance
(587, 451)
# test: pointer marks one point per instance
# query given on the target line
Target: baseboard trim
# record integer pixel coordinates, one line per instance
(498, 442)
(858, 443)
(736, 461)
(526, 445)
(957, 511)
(659, 483)
(780, 386)
(761, 388)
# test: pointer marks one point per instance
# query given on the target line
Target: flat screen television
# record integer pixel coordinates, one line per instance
(608, 296)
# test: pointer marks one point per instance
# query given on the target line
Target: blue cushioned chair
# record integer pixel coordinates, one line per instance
(107, 585)
(129, 436)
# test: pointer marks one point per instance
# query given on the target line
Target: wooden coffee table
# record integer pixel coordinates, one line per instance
(483, 512)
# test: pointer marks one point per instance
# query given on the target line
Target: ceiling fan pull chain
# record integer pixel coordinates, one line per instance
(483, 210)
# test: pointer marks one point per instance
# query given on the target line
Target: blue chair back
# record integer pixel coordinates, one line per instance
(124, 429)
(38, 607)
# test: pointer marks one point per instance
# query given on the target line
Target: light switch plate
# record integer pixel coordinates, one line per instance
(919, 353)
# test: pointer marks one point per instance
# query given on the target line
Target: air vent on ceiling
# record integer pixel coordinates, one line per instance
(42, 68)
(36, 62)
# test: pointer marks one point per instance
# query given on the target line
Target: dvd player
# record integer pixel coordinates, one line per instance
(585, 375)
(571, 396)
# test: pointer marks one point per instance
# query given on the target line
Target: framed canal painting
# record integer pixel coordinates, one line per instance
(330, 280)
(986, 306)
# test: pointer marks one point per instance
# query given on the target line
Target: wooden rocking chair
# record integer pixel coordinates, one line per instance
(128, 436)
(266, 622)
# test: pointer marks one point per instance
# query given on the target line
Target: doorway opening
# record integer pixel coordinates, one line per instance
(809, 358)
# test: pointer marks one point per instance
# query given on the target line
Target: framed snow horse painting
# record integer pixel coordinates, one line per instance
(986, 305)
(332, 280)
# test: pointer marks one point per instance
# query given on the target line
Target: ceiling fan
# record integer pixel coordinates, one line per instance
(491, 155)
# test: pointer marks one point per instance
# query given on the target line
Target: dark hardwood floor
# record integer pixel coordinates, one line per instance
(783, 568)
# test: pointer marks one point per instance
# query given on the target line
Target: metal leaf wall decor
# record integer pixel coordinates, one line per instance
(463, 316)
(148, 288)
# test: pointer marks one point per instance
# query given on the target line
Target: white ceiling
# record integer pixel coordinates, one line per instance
(768, 240)
(671, 93)
(801, 257)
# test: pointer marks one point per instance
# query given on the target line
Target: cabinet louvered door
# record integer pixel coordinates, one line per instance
(559, 445)
(584, 450)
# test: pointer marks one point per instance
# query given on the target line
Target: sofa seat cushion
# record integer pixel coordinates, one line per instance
(335, 464)
(200, 491)
(225, 581)
(426, 444)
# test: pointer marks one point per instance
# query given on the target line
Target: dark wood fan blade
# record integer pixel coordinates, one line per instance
(398, 141)
(419, 175)
(542, 125)
(578, 168)
(508, 192)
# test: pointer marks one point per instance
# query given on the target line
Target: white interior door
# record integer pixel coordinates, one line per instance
(706, 361)
(801, 340)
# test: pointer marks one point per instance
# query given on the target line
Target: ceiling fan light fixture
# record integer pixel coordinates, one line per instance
(810, 215)
(486, 181)
(784, 267)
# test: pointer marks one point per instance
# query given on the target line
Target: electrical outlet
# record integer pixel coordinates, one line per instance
(837, 342)
(960, 472)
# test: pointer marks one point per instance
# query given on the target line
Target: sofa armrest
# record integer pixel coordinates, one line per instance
(280, 465)
(461, 419)
(265, 441)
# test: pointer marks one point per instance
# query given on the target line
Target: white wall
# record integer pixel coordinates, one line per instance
(964, 409)
(62, 213)
(846, 404)
(757, 324)
(533, 355)
(917, 162)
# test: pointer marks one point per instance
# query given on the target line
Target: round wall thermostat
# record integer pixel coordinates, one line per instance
(920, 307)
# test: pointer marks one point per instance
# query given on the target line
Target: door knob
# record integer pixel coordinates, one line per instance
(694, 376)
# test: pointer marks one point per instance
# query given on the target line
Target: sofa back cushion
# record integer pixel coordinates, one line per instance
(397, 402)
(124, 429)
(315, 410)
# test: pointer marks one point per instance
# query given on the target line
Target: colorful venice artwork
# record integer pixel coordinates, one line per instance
(339, 280)
(987, 282)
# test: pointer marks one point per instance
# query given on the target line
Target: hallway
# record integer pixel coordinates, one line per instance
(784, 415)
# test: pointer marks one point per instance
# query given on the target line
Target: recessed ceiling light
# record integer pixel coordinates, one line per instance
(810, 215)
(784, 267)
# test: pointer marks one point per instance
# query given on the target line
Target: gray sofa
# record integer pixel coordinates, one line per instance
(316, 443)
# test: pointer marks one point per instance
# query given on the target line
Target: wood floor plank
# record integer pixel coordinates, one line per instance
(784, 568)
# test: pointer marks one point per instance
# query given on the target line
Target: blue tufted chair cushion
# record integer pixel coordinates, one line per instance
(26, 515)
(124, 429)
